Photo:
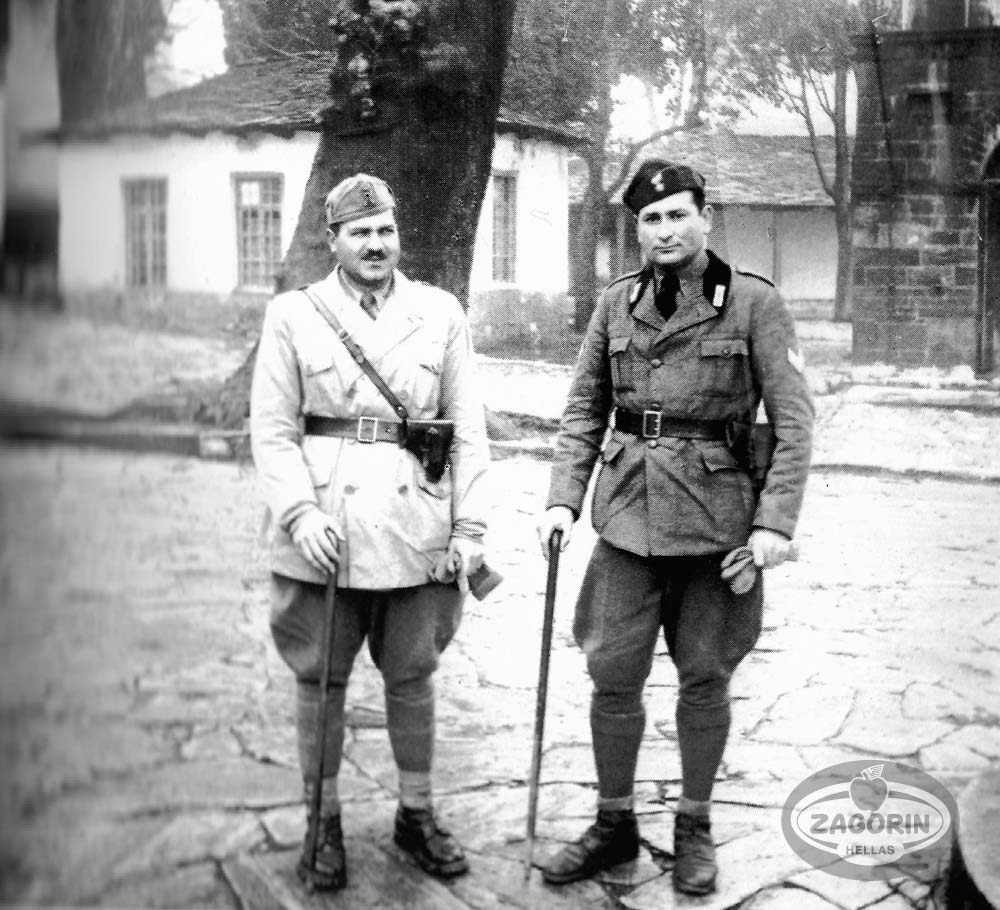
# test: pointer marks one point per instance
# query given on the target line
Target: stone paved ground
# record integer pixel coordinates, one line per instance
(145, 722)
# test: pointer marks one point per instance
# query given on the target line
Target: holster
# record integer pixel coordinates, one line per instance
(752, 445)
(430, 442)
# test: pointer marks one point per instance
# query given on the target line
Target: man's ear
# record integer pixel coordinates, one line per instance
(708, 213)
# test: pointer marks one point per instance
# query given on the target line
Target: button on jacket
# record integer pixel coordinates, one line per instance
(684, 496)
(396, 522)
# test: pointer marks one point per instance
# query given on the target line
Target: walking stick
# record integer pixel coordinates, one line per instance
(555, 542)
(315, 803)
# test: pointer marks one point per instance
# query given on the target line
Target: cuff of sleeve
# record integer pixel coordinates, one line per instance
(294, 513)
(469, 529)
(759, 527)
(773, 520)
(574, 508)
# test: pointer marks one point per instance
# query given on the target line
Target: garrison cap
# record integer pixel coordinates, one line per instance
(357, 197)
(656, 179)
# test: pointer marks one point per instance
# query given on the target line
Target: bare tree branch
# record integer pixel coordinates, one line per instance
(813, 140)
(633, 149)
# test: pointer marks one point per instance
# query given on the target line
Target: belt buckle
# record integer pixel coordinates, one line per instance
(366, 424)
(652, 422)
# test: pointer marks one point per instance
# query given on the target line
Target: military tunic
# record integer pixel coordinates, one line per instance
(716, 358)
(396, 522)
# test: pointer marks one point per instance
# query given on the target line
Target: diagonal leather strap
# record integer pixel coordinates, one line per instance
(354, 349)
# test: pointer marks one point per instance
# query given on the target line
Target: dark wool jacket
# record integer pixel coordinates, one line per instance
(675, 496)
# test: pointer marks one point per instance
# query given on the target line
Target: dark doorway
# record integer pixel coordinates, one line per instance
(988, 311)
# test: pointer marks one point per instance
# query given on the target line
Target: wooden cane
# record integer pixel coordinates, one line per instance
(555, 543)
(316, 801)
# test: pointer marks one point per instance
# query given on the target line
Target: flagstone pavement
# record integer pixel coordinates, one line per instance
(147, 734)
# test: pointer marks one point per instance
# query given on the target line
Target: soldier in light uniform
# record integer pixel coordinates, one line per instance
(345, 497)
(675, 360)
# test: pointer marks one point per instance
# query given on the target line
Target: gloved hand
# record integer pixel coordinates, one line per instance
(316, 536)
(458, 562)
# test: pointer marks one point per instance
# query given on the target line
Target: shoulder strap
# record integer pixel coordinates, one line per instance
(354, 349)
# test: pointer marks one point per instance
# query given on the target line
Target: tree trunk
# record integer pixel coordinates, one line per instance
(595, 199)
(588, 231)
(843, 293)
(431, 139)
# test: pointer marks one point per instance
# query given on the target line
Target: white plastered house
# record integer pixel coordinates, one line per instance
(185, 205)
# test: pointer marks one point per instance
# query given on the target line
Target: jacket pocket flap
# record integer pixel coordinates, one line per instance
(617, 345)
(719, 458)
(612, 450)
(723, 347)
(317, 360)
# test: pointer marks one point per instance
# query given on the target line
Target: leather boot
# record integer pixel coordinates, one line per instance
(612, 839)
(330, 871)
(694, 854)
(435, 850)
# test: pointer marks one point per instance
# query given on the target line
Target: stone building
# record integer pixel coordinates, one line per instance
(926, 188)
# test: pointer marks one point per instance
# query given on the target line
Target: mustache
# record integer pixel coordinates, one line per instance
(373, 257)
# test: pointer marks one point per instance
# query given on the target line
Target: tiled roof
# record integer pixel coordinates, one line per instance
(740, 169)
(276, 95)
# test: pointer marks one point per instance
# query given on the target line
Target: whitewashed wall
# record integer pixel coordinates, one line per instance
(201, 220)
(201, 208)
(542, 257)
(794, 248)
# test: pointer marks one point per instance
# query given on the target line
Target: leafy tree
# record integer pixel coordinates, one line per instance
(414, 96)
(812, 42)
(101, 50)
(568, 55)
(265, 28)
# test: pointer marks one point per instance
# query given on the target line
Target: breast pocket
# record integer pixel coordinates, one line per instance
(414, 374)
(724, 367)
(327, 378)
(627, 371)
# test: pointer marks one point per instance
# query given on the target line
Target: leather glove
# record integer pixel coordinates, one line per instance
(458, 562)
(739, 571)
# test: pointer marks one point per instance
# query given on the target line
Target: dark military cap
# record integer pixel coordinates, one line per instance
(656, 179)
(357, 197)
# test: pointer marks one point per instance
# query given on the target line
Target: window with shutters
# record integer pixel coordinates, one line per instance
(258, 230)
(505, 227)
(145, 232)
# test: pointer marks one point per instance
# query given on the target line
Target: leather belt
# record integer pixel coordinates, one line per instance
(363, 429)
(654, 424)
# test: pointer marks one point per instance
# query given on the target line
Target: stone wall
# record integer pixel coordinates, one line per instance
(924, 131)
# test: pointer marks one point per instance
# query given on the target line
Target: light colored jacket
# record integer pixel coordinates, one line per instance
(672, 496)
(396, 523)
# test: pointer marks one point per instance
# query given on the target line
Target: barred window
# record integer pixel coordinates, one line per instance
(258, 229)
(504, 227)
(145, 232)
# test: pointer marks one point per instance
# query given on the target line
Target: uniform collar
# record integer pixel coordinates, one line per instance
(356, 294)
(716, 280)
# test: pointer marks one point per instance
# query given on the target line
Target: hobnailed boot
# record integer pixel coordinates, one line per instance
(694, 854)
(435, 850)
(612, 839)
(330, 872)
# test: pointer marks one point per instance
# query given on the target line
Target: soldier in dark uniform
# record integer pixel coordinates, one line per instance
(675, 361)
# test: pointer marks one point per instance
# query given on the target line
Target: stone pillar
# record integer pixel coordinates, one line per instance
(925, 99)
